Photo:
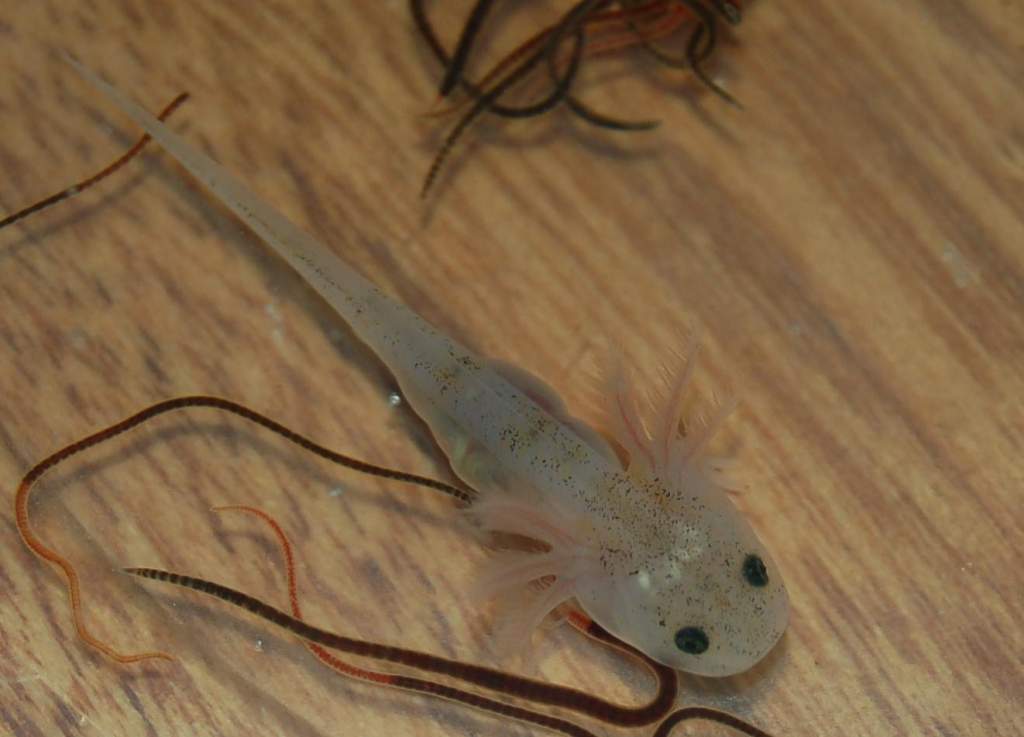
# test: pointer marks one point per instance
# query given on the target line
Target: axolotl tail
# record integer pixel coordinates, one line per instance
(457, 393)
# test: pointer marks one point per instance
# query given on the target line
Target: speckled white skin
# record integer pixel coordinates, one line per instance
(684, 568)
(646, 546)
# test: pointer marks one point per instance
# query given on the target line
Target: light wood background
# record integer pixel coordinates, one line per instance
(851, 245)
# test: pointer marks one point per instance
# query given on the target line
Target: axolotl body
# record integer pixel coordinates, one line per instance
(630, 524)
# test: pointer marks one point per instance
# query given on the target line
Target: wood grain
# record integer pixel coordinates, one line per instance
(851, 244)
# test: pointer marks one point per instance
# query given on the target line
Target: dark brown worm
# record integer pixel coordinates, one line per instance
(687, 713)
(509, 684)
(419, 685)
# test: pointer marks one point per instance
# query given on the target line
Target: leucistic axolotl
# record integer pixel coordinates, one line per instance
(630, 523)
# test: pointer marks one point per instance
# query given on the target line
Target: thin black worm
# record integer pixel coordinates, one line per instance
(593, 117)
(455, 66)
(696, 58)
(572, 24)
(427, 31)
(696, 54)
(700, 45)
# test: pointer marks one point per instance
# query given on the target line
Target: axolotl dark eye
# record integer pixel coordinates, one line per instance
(692, 640)
(754, 571)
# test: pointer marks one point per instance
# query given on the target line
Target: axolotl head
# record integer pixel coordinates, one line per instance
(694, 588)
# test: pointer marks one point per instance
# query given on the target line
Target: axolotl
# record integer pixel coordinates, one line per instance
(629, 522)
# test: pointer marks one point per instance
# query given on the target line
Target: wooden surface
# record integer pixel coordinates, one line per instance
(851, 245)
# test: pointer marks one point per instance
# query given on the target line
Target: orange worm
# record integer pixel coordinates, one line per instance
(37, 546)
(98, 176)
(321, 653)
